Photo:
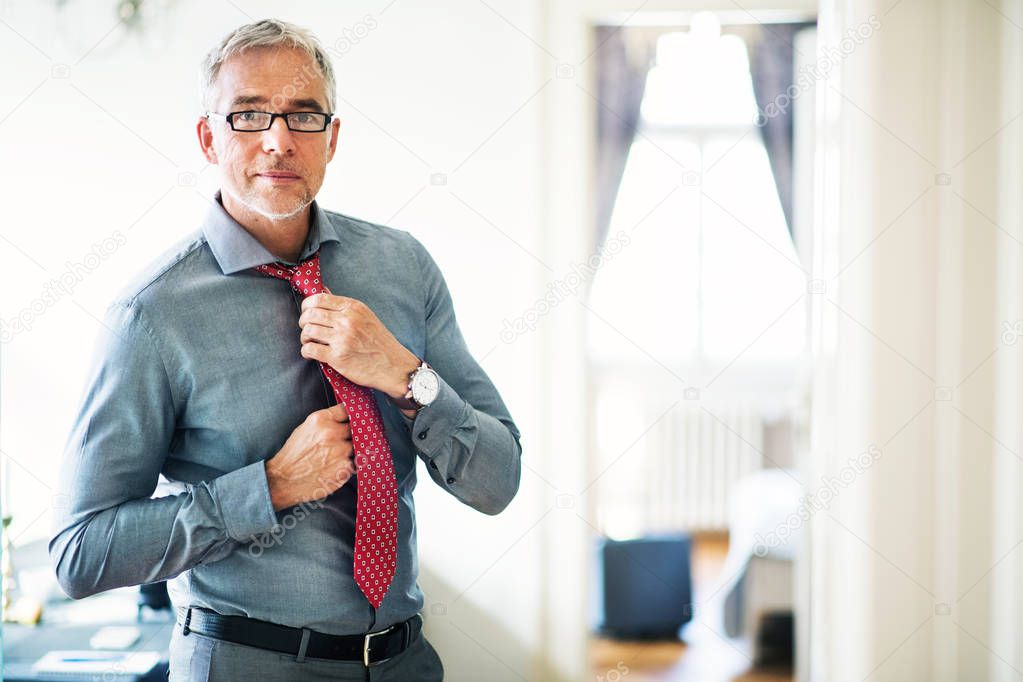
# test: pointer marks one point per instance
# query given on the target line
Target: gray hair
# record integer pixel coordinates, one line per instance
(266, 33)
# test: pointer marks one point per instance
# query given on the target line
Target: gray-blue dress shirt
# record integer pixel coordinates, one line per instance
(199, 378)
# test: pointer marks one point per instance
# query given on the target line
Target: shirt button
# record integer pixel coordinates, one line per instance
(450, 479)
(422, 434)
(433, 464)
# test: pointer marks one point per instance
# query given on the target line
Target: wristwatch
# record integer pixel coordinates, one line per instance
(423, 386)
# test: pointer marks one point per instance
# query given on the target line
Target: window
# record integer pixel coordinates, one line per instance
(708, 275)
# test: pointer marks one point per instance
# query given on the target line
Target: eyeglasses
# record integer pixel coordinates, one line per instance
(254, 121)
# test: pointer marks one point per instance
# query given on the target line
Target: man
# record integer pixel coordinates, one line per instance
(283, 367)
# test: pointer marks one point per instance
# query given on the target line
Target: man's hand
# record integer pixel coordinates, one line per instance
(344, 333)
(316, 460)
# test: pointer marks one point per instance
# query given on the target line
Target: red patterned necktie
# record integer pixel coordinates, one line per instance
(376, 520)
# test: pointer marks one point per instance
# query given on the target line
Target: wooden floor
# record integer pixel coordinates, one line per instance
(704, 655)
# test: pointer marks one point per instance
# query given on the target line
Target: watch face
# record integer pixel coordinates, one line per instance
(425, 387)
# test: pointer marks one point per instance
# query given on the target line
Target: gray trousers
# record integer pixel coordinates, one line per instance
(198, 658)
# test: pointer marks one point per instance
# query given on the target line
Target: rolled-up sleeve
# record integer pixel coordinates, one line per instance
(108, 530)
(466, 436)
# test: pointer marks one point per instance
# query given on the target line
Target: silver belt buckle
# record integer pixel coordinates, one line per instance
(365, 644)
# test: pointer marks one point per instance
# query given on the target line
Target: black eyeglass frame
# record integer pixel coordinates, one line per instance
(327, 119)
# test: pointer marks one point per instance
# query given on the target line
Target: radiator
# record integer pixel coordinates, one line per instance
(667, 463)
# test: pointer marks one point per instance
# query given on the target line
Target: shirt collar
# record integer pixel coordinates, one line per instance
(236, 249)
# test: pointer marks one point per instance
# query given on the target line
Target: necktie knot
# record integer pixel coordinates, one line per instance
(304, 277)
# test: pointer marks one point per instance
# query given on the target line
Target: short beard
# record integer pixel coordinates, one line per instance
(273, 217)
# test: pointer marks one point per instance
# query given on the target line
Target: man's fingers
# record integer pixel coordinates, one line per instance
(338, 413)
(314, 333)
(324, 300)
(317, 316)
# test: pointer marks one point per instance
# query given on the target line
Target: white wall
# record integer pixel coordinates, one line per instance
(1006, 618)
(913, 566)
(99, 142)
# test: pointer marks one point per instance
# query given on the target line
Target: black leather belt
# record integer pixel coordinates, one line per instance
(370, 648)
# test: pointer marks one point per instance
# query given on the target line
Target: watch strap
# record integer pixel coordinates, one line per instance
(406, 403)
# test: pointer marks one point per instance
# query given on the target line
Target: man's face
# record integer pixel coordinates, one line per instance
(277, 172)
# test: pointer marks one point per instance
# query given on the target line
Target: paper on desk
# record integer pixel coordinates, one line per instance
(115, 637)
(97, 662)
